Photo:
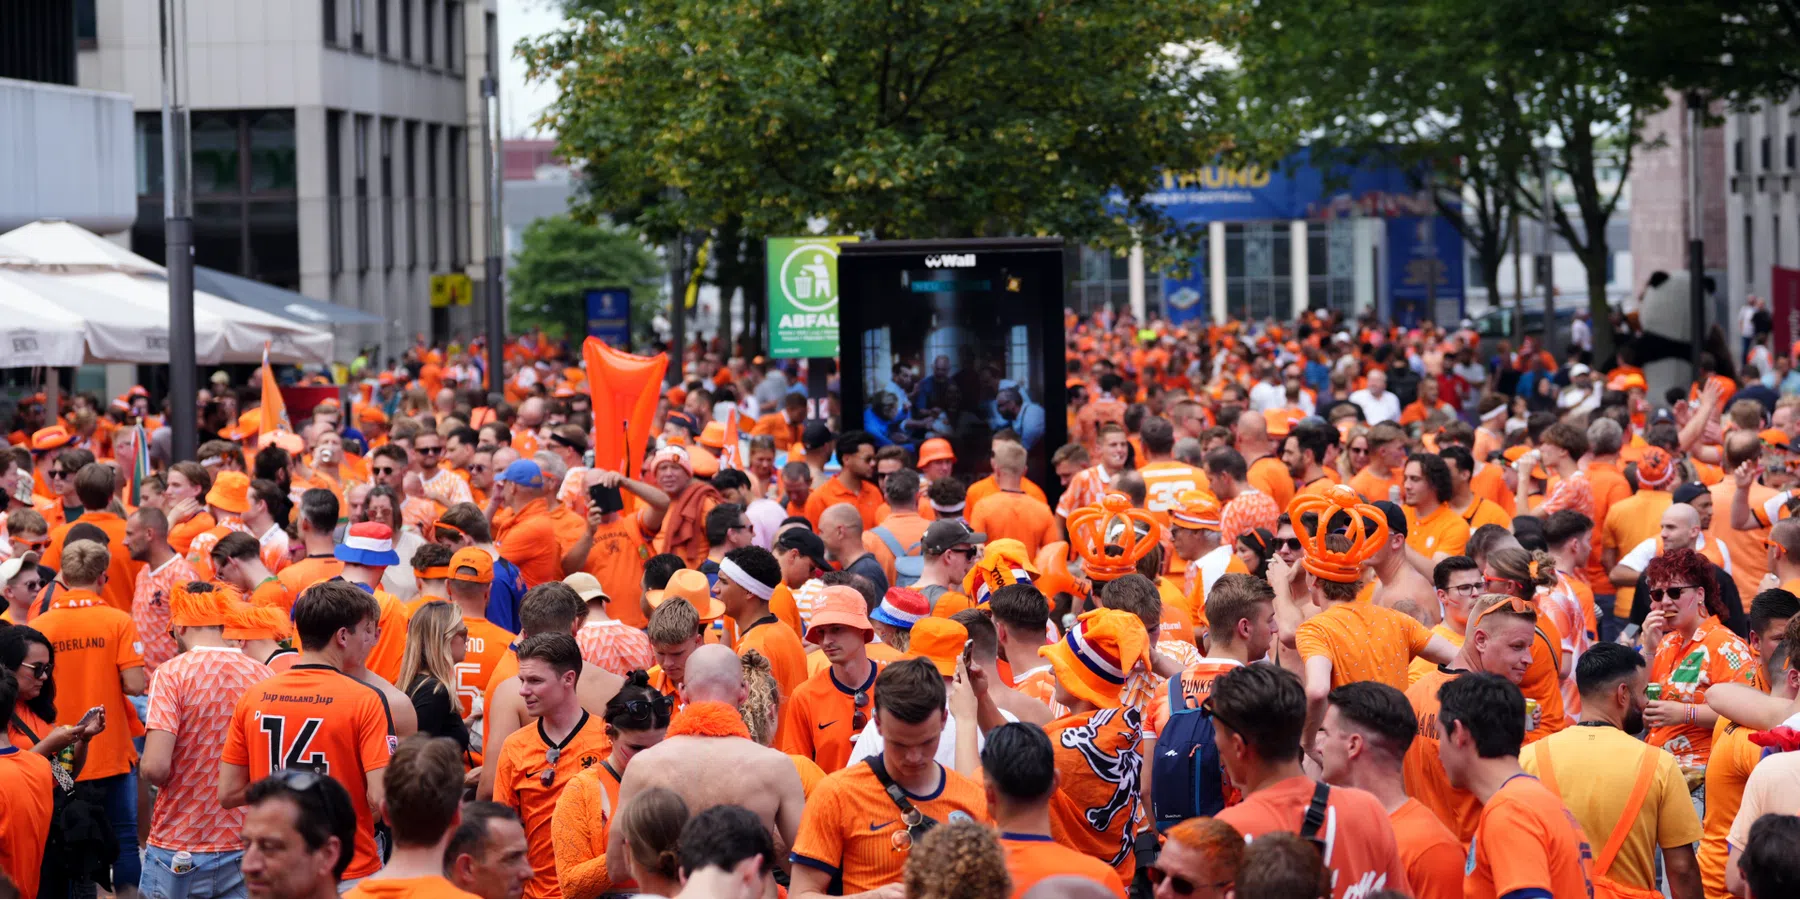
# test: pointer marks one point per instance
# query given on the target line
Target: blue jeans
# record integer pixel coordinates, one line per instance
(117, 797)
(214, 875)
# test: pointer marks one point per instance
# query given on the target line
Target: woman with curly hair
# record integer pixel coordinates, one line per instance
(957, 859)
(761, 711)
(1692, 650)
(636, 719)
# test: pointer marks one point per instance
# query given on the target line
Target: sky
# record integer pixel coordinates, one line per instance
(521, 101)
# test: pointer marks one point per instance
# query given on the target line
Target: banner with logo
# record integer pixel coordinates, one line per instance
(803, 296)
(1784, 307)
(609, 316)
(1422, 249)
(1187, 299)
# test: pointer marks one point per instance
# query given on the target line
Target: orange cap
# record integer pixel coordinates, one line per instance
(1094, 658)
(934, 450)
(1197, 510)
(1655, 468)
(1774, 436)
(840, 604)
(691, 586)
(713, 435)
(473, 558)
(50, 438)
(230, 492)
(371, 414)
(939, 640)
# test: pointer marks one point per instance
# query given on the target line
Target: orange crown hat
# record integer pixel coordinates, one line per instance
(1107, 540)
(1002, 563)
(257, 623)
(1094, 658)
(199, 609)
(1197, 510)
(1367, 532)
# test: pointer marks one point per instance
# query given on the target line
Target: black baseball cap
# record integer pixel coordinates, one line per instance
(1396, 517)
(810, 545)
(815, 435)
(944, 534)
(1688, 493)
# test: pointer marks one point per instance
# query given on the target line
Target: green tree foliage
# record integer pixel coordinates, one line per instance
(891, 118)
(562, 259)
(1741, 51)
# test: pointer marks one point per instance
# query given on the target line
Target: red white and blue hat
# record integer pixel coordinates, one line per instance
(901, 608)
(1094, 658)
(368, 544)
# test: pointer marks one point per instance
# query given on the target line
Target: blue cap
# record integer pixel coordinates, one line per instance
(525, 472)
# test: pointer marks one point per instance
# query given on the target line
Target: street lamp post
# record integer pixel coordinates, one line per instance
(178, 223)
(1696, 109)
(496, 276)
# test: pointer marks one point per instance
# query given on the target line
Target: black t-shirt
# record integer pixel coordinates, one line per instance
(869, 567)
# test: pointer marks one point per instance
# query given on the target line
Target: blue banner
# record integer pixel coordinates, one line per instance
(1187, 299)
(1292, 189)
(609, 316)
(1422, 249)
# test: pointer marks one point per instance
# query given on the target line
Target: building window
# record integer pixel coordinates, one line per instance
(406, 30)
(389, 212)
(491, 42)
(356, 24)
(1790, 150)
(381, 26)
(453, 145)
(1766, 142)
(246, 217)
(1750, 252)
(431, 195)
(334, 187)
(1258, 271)
(411, 162)
(330, 22)
(87, 28)
(1775, 241)
(360, 147)
(430, 39)
(1331, 265)
(1737, 154)
(452, 35)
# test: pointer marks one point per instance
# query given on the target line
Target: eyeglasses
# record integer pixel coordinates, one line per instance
(379, 470)
(40, 671)
(1470, 589)
(1673, 593)
(1512, 604)
(1177, 884)
(859, 719)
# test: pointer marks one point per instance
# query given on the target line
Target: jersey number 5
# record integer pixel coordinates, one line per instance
(298, 753)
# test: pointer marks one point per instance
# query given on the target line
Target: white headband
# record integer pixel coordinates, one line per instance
(742, 579)
(950, 509)
(1494, 413)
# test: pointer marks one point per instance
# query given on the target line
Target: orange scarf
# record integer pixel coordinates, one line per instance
(709, 719)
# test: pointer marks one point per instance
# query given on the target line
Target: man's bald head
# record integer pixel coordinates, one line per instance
(841, 514)
(714, 675)
(1252, 428)
(531, 412)
(1680, 526)
(1786, 533)
(1742, 447)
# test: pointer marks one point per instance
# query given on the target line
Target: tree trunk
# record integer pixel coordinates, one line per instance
(1599, 322)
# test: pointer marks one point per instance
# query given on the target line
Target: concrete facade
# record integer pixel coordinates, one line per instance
(382, 96)
(1760, 178)
(1659, 195)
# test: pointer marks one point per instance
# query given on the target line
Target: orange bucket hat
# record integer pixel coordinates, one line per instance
(1367, 532)
(230, 492)
(1108, 539)
(1094, 658)
(939, 640)
(1196, 510)
(933, 450)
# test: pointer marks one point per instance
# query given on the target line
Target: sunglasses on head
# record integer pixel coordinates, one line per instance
(649, 709)
(1512, 604)
(1673, 593)
(1206, 708)
(1178, 885)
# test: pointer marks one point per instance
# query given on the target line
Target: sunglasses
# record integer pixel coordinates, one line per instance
(859, 719)
(38, 544)
(56, 473)
(478, 468)
(381, 470)
(1673, 593)
(1290, 544)
(1177, 884)
(431, 450)
(40, 671)
(1514, 604)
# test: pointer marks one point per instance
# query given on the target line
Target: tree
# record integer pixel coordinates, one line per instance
(892, 118)
(562, 259)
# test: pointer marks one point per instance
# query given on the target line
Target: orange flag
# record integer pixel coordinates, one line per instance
(274, 411)
(730, 456)
(624, 389)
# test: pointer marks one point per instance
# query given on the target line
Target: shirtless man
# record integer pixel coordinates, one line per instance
(712, 771)
(548, 607)
(1397, 581)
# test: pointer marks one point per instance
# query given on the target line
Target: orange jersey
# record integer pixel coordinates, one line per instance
(1040, 684)
(1630, 522)
(120, 569)
(30, 790)
(530, 542)
(779, 644)
(1727, 770)
(192, 698)
(1609, 488)
(1031, 858)
(819, 722)
(390, 648)
(1270, 475)
(1359, 843)
(1095, 807)
(1489, 482)
(1364, 642)
(1373, 487)
(1165, 482)
(518, 783)
(1526, 840)
(579, 829)
(507, 667)
(94, 643)
(1686, 667)
(150, 608)
(394, 888)
(988, 486)
(1443, 531)
(1016, 515)
(1423, 772)
(615, 646)
(616, 560)
(867, 501)
(304, 573)
(316, 717)
(849, 823)
(1432, 855)
(273, 593)
(488, 644)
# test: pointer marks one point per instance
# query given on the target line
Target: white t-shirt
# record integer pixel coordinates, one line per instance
(869, 742)
(1377, 409)
(1639, 558)
(1265, 396)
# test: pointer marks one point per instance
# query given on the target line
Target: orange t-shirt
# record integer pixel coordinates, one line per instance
(1527, 840)
(517, 784)
(1270, 475)
(1164, 483)
(1610, 487)
(422, 886)
(1015, 514)
(1031, 858)
(1489, 481)
(488, 644)
(1749, 555)
(1374, 487)
(1443, 531)
(94, 643)
(530, 542)
(316, 717)
(304, 573)
(867, 501)
(782, 647)
(121, 570)
(182, 534)
(988, 486)
(849, 823)
(390, 648)
(819, 720)
(507, 667)
(617, 562)
(1423, 772)
(1728, 768)
(29, 789)
(1092, 809)
(1630, 522)
(1364, 642)
(192, 697)
(1360, 844)
(1432, 855)
(275, 594)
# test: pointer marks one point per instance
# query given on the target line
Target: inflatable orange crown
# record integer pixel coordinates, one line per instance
(1367, 533)
(1106, 537)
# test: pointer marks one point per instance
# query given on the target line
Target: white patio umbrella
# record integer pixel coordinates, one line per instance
(116, 330)
(36, 333)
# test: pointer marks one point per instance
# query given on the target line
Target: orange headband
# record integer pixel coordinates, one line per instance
(1345, 567)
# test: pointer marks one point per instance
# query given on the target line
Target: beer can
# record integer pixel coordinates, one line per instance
(1531, 708)
(1653, 691)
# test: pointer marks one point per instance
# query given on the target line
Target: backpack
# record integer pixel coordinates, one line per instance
(1187, 779)
(909, 562)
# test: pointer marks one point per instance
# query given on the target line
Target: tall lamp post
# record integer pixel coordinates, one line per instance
(178, 222)
(495, 271)
(1696, 110)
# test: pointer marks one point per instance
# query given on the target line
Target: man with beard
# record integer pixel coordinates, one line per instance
(679, 528)
(1610, 780)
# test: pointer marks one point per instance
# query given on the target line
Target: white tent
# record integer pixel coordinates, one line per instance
(67, 254)
(115, 330)
(36, 333)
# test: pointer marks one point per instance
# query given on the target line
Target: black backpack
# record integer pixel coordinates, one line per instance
(1187, 779)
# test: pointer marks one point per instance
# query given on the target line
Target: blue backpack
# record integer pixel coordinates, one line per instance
(1187, 778)
(909, 565)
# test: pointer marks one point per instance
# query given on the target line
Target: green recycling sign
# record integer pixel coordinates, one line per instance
(803, 296)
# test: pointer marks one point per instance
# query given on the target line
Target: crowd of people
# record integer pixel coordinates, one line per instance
(1319, 610)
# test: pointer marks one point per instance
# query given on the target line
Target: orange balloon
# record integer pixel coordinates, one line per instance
(624, 389)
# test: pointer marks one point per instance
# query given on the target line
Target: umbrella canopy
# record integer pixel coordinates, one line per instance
(36, 333)
(242, 330)
(57, 243)
(115, 330)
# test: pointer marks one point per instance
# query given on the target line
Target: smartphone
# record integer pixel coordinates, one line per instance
(1628, 636)
(967, 658)
(92, 715)
(606, 499)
